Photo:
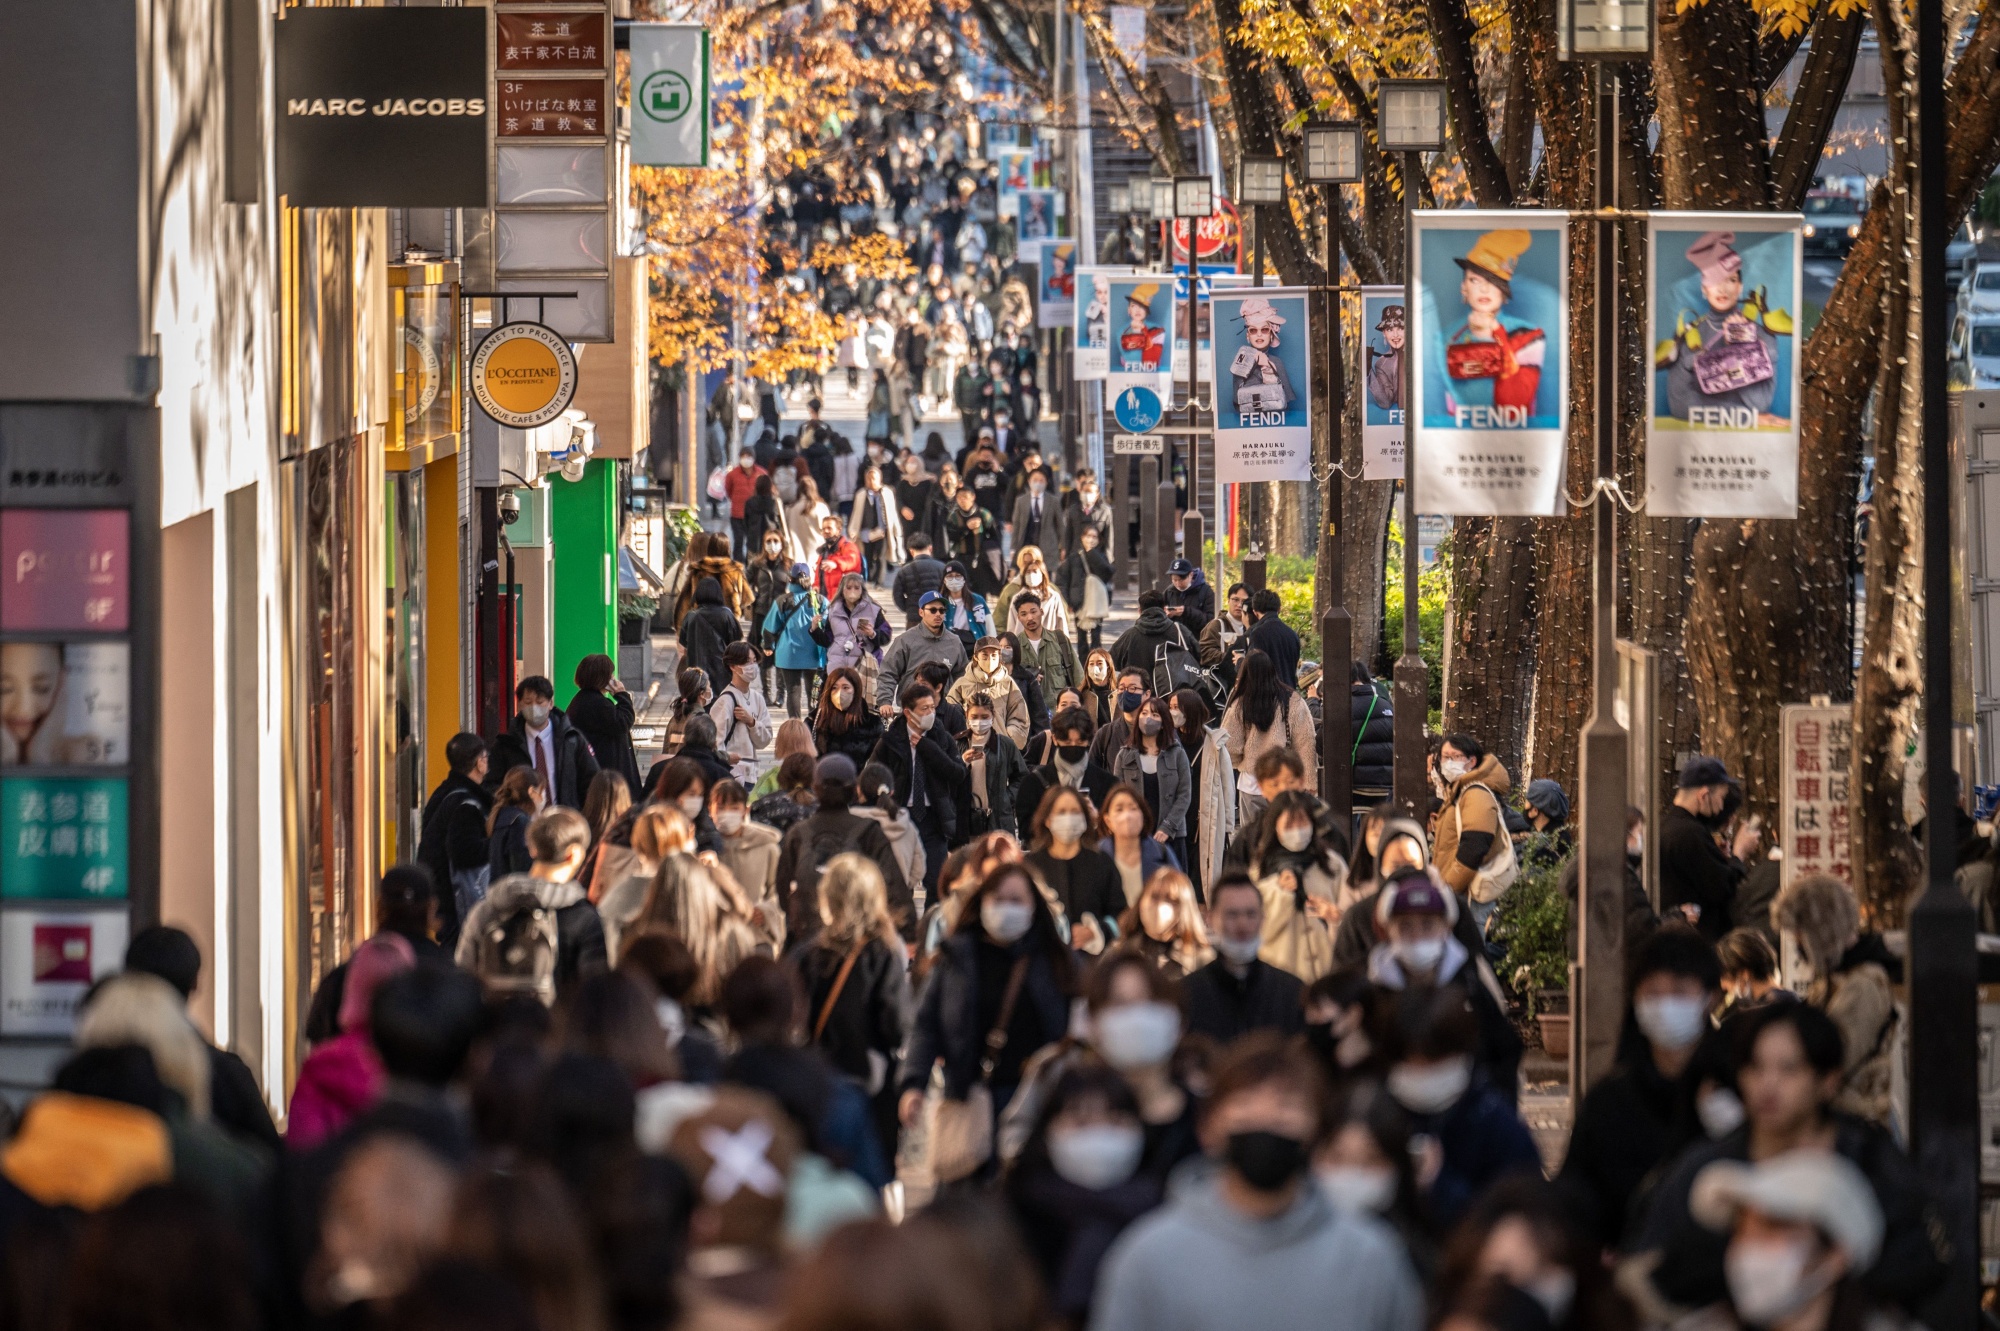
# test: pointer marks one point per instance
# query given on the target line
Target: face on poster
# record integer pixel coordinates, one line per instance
(65, 704)
(1036, 221)
(1055, 296)
(1490, 329)
(1385, 329)
(1094, 312)
(1263, 409)
(1140, 313)
(1016, 174)
(1722, 429)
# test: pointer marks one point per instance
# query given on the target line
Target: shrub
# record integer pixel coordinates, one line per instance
(1532, 924)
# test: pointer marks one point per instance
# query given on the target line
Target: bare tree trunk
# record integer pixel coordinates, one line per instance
(1488, 690)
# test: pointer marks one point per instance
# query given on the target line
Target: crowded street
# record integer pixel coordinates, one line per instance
(678, 668)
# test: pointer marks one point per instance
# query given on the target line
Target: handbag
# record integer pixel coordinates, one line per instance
(959, 1133)
(1501, 868)
(1475, 360)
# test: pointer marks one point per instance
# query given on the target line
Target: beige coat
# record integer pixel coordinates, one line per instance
(1298, 941)
(751, 856)
(1246, 746)
(1010, 706)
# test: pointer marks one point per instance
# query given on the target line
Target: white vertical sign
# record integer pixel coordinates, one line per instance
(1814, 809)
(670, 94)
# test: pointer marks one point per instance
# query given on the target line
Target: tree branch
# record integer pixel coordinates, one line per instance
(1029, 66)
(1452, 28)
(1815, 103)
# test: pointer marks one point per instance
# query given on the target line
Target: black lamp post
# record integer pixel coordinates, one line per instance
(1410, 120)
(1194, 200)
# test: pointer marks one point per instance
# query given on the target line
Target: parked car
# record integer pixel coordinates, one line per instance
(1979, 293)
(1832, 223)
(1961, 253)
(1973, 351)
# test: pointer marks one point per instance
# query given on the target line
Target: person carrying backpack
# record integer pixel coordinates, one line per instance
(536, 933)
(832, 830)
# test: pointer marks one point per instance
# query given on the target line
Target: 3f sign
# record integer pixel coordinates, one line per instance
(671, 98)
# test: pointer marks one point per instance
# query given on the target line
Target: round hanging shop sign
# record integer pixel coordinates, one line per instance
(420, 374)
(524, 375)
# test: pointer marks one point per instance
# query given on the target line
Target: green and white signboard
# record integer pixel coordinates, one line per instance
(64, 838)
(671, 109)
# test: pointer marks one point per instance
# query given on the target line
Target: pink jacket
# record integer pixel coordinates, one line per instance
(340, 1078)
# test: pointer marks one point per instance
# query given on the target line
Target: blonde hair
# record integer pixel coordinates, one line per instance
(656, 827)
(854, 900)
(686, 900)
(1190, 929)
(794, 736)
(140, 1009)
(1030, 556)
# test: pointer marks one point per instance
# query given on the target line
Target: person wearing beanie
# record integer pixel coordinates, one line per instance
(1548, 813)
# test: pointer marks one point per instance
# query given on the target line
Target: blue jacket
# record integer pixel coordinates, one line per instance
(791, 633)
(1483, 1139)
(1153, 856)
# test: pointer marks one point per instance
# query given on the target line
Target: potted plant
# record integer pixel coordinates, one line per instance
(1532, 924)
(635, 613)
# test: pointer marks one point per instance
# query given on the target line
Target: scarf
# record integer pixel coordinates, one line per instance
(1070, 774)
(979, 775)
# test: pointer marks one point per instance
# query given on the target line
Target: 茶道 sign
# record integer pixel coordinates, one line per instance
(670, 94)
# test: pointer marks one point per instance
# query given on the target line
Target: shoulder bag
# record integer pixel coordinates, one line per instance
(959, 1133)
(1501, 868)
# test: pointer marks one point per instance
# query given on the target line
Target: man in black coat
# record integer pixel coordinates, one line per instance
(1069, 754)
(919, 574)
(833, 830)
(1273, 636)
(1190, 598)
(541, 737)
(1237, 993)
(924, 759)
(1138, 647)
(451, 837)
(1697, 878)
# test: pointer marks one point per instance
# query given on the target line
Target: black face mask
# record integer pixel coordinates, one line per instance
(1266, 1160)
(1072, 753)
(1321, 1040)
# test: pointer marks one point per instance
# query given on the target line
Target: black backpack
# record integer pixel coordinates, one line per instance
(517, 954)
(1175, 668)
(822, 844)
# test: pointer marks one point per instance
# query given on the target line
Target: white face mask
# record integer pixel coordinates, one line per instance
(1174, 715)
(1430, 1088)
(982, 725)
(1720, 1112)
(1294, 837)
(1005, 921)
(923, 720)
(1068, 827)
(1418, 954)
(1769, 1281)
(536, 714)
(672, 1019)
(730, 821)
(1137, 1035)
(1033, 577)
(1451, 769)
(1163, 917)
(1238, 952)
(1674, 1021)
(691, 805)
(1100, 1156)
(954, 583)
(1357, 1189)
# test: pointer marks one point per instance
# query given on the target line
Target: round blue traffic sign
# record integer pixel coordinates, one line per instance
(1137, 409)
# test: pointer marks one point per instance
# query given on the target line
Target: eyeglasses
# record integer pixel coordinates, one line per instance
(933, 609)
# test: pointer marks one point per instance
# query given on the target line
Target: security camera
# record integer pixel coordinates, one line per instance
(510, 508)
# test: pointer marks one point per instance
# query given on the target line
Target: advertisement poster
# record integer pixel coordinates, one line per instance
(1263, 409)
(65, 704)
(1722, 427)
(1036, 220)
(67, 568)
(1385, 329)
(1138, 357)
(1093, 313)
(64, 837)
(1017, 172)
(1204, 320)
(1491, 328)
(48, 961)
(1055, 294)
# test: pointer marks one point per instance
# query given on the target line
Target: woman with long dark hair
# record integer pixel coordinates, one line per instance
(1154, 760)
(1266, 714)
(845, 723)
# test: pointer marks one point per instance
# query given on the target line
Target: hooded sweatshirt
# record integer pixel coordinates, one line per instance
(1198, 1263)
(1010, 705)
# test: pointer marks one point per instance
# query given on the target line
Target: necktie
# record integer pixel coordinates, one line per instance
(540, 745)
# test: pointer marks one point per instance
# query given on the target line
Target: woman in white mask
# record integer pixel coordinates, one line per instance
(999, 989)
(1304, 882)
(1078, 1183)
(749, 850)
(1474, 1133)
(1631, 1120)
(1167, 926)
(1803, 1226)
(1082, 877)
(1364, 1167)
(1031, 574)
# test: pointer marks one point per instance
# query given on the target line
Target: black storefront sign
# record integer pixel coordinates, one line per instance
(383, 108)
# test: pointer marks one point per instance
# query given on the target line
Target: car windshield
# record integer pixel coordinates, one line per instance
(1823, 205)
(1986, 341)
(1986, 279)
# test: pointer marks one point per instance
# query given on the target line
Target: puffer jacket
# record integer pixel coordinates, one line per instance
(848, 645)
(1010, 705)
(1374, 736)
(1470, 811)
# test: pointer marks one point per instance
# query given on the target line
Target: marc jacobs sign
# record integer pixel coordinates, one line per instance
(383, 108)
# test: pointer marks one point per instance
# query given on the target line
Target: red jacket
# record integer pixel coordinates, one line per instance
(740, 485)
(845, 559)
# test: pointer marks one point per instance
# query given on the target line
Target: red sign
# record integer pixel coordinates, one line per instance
(65, 568)
(1217, 238)
(552, 108)
(533, 40)
(62, 954)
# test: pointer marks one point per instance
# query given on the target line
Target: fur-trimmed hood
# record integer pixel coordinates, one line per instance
(1822, 913)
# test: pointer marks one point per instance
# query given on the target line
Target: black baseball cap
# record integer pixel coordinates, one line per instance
(1702, 770)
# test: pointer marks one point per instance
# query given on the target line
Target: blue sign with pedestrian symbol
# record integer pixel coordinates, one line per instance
(1137, 409)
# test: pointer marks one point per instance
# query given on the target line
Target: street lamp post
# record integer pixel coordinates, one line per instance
(1409, 120)
(1607, 32)
(1194, 199)
(1263, 185)
(1333, 158)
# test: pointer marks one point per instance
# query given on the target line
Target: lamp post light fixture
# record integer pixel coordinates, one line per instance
(1410, 115)
(1604, 29)
(1162, 198)
(1194, 196)
(1263, 180)
(1333, 152)
(1120, 199)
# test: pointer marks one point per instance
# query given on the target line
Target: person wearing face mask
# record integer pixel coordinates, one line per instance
(965, 612)
(749, 849)
(1434, 1076)
(1166, 926)
(929, 773)
(1071, 763)
(541, 737)
(1133, 688)
(1034, 524)
(929, 641)
(1084, 580)
(844, 722)
(795, 627)
(1085, 509)
(1031, 574)
(1217, 643)
(1100, 677)
(1625, 1127)
(1364, 1167)
(970, 534)
(1697, 877)
(1237, 992)
(1470, 845)
(1520, 1240)
(1077, 1185)
(858, 628)
(995, 765)
(1419, 952)
(989, 676)
(1083, 878)
(1153, 762)
(1304, 881)
(874, 524)
(1251, 1242)
(769, 574)
(742, 718)
(999, 989)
